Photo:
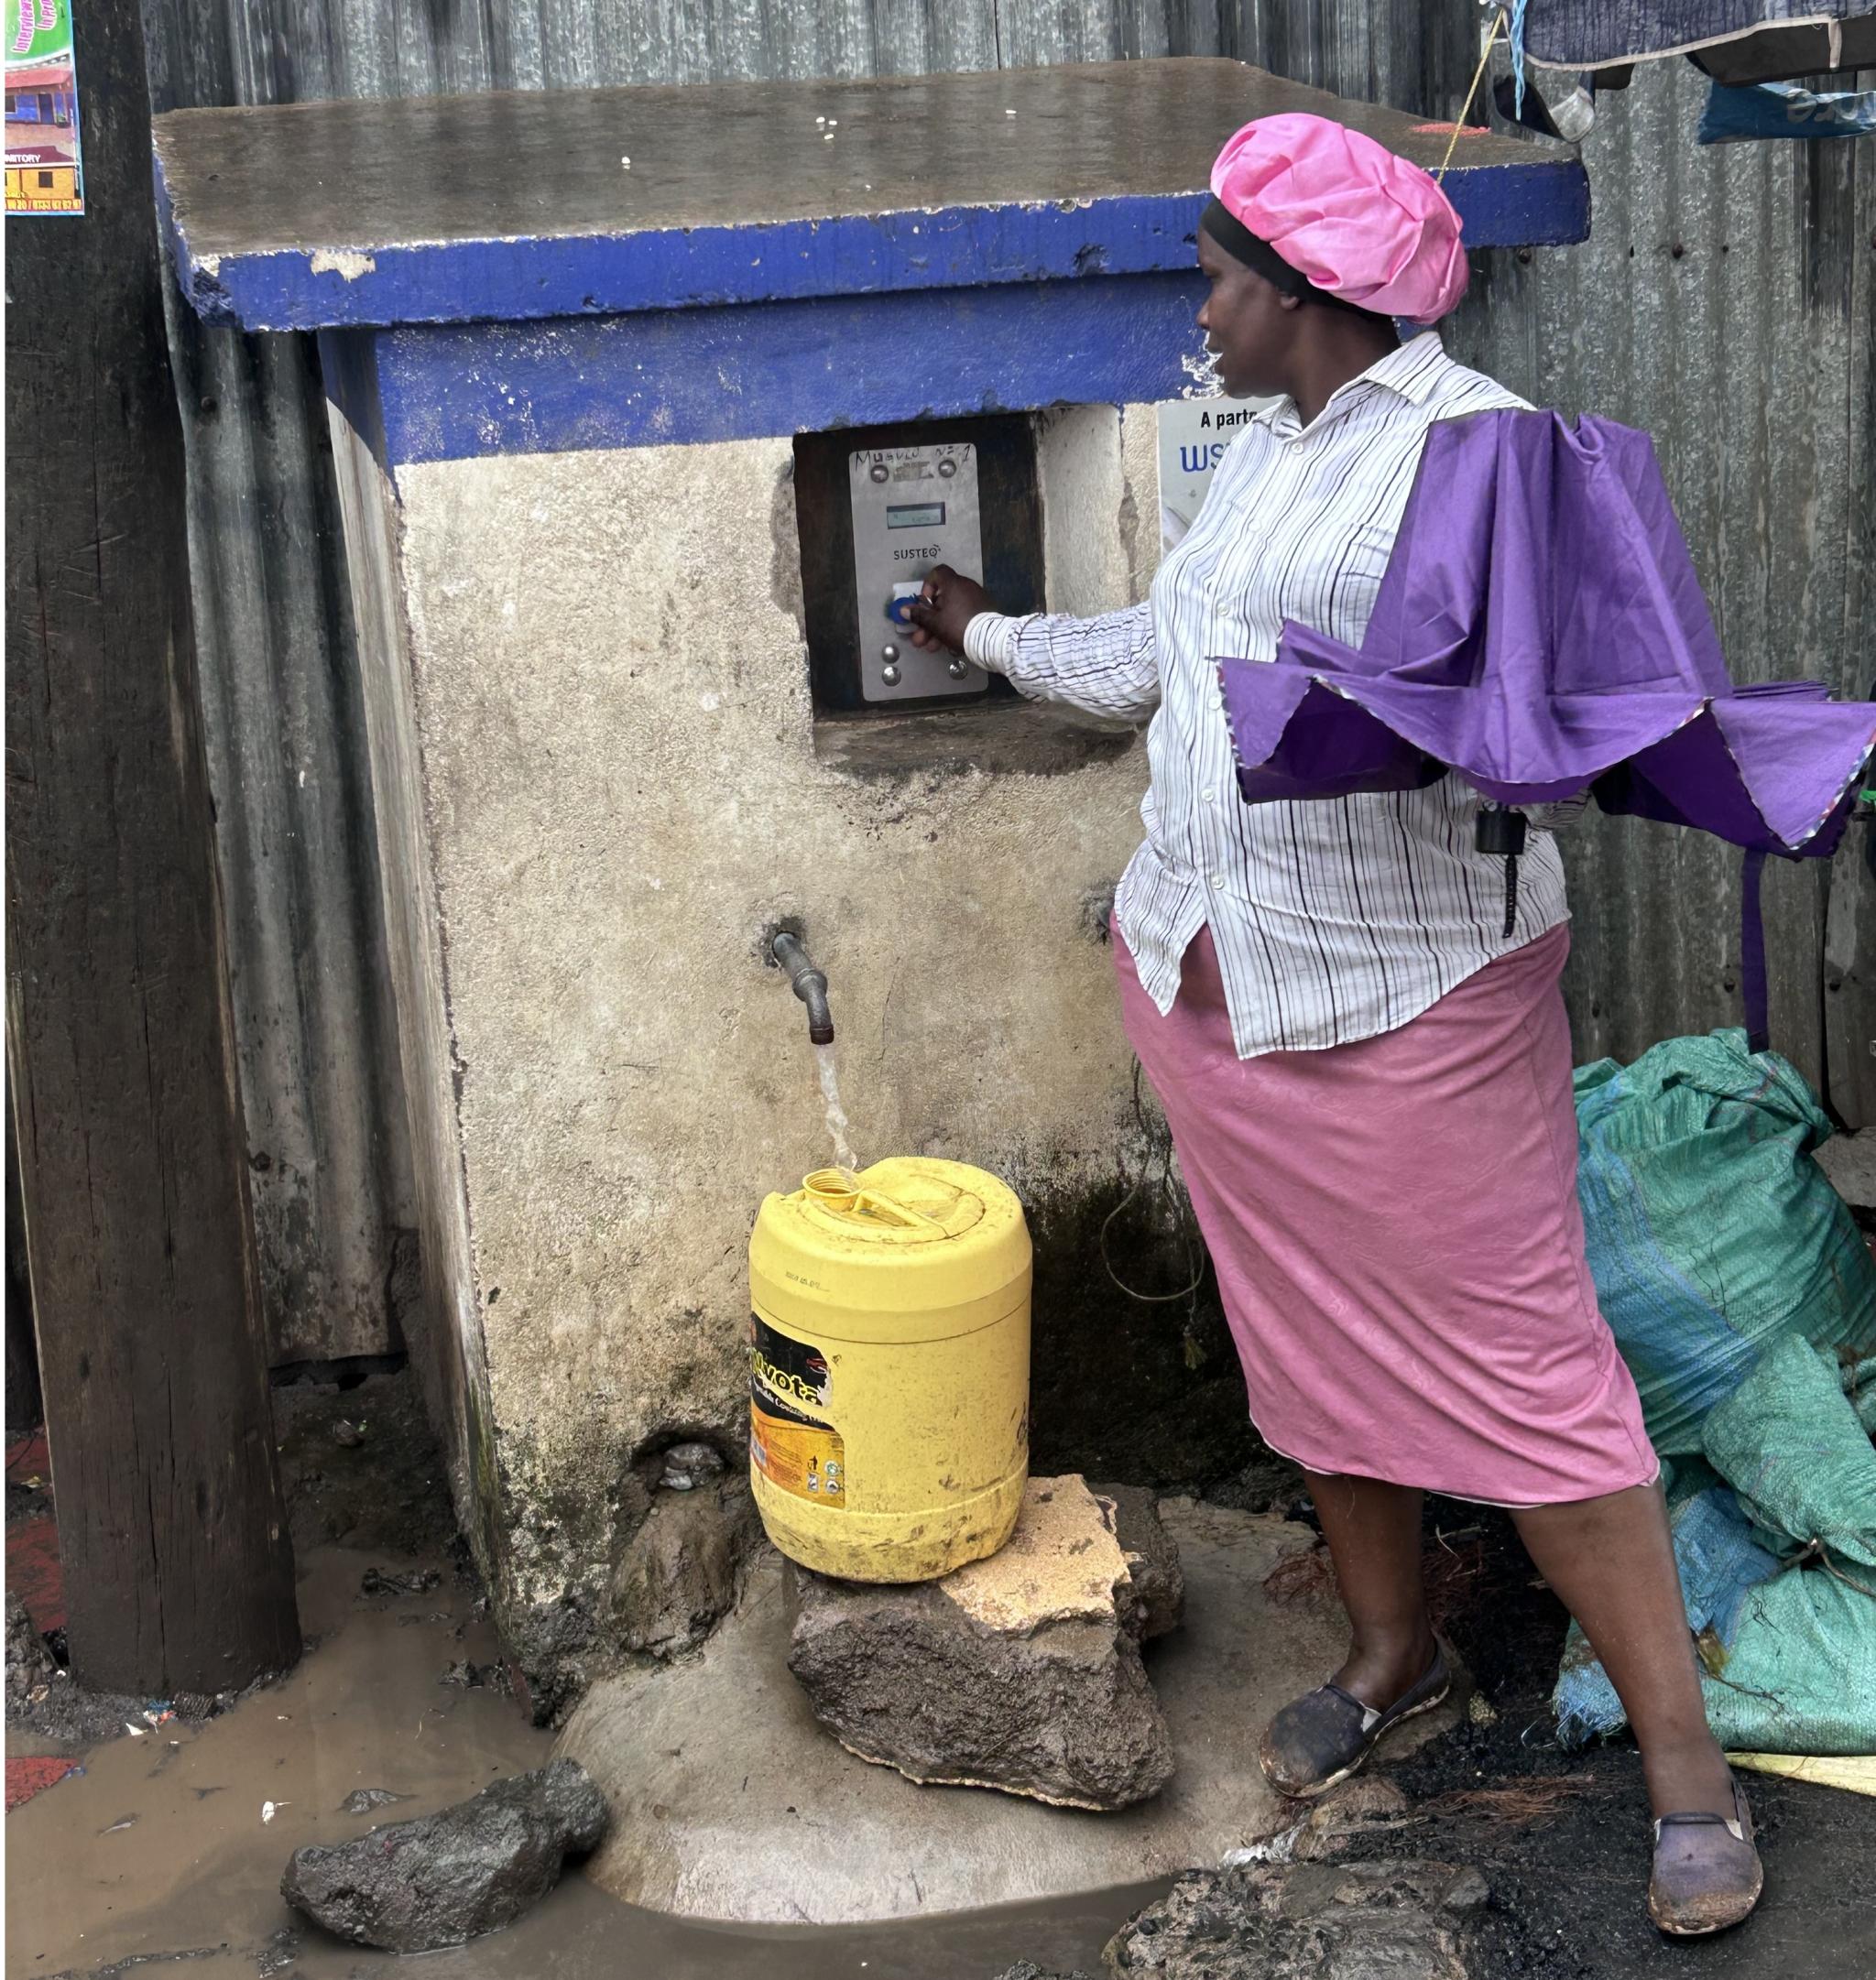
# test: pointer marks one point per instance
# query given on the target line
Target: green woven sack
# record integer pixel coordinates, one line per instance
(1801, 1674)
(1800, 1464)
(1777, 1563)
(1744, 1300)
(1711, 1231)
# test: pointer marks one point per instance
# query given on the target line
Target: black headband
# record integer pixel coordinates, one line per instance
(1262, 258)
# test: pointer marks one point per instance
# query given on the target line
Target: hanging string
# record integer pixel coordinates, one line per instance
(1478, 77)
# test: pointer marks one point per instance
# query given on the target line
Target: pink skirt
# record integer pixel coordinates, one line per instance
(1398, 1240)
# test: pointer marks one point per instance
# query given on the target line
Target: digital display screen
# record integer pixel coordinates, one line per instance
(915, 516)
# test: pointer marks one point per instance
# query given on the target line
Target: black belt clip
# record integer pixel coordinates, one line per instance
(1502, 832)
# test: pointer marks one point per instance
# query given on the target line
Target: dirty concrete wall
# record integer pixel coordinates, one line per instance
(446, 1343)
(315, 1028)
(600, 781)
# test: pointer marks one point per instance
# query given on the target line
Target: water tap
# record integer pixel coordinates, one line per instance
(807, 982)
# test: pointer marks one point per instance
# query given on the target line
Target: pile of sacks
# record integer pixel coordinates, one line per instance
(1743, 1299)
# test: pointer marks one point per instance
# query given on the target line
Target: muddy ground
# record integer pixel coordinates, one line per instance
(1561, 1838)
(166, 1852)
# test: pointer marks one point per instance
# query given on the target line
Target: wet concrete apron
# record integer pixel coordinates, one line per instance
(161, 1852)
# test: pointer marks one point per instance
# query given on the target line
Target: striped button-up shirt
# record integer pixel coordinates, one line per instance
(1333, 920)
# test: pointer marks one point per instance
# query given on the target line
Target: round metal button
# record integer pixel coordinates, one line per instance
(877, 471)
(889, 653)
(947, 468)
(889, 675)
(959, 669)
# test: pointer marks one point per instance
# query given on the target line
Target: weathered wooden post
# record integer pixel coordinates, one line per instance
(178, 1564)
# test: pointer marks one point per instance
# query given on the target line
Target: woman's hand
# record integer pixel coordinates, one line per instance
(946, 605)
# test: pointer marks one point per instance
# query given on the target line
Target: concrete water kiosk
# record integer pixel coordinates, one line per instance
(645, 402)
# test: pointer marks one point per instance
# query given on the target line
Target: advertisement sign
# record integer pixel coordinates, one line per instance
(44, 171)
(1193, 435)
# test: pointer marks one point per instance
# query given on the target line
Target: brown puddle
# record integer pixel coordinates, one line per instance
(159, 1855)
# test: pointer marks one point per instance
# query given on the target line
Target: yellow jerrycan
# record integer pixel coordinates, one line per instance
(890, 1368)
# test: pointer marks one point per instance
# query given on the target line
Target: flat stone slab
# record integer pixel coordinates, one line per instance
(730, 1803)
(1061, 1564)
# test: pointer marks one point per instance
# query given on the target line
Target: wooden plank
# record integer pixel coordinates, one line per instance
(179, 1570)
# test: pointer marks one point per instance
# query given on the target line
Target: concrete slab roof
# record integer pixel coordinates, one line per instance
(522, 204)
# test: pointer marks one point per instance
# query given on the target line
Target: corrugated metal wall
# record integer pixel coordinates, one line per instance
(1725, 302)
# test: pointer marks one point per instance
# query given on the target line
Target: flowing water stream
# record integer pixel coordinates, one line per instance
(838, 1128)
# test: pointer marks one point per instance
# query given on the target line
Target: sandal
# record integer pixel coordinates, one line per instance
(1320, 1740)
(1706, 1874)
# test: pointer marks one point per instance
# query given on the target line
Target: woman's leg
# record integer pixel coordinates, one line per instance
(1373, 1531)
(1611, 1561)
(1393, 1669)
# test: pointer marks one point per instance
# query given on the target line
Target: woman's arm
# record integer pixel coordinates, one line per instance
(1106, 665)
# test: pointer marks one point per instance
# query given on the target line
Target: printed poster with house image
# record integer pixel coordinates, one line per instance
(44, 173)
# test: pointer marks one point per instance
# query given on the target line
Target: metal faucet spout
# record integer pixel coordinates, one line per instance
(807, 982)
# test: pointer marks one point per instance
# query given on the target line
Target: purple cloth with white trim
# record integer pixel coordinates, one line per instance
(1540, 631)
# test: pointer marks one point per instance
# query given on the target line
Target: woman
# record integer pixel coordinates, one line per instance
(1366, 1078)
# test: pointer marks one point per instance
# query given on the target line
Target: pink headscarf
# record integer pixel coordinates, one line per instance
(1347, 213)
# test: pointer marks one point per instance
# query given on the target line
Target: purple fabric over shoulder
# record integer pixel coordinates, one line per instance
(1540, 630)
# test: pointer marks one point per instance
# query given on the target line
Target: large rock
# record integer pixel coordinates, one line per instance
(415, 1885)
(1402, 1920)
(1022, 1672)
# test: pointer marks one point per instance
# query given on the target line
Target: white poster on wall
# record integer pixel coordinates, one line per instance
(1193, 435)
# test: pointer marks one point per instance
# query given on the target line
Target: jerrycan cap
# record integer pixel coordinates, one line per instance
(896, 1202)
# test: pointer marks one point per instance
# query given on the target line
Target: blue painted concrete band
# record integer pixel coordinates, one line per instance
(450, 392)
(1545, 201)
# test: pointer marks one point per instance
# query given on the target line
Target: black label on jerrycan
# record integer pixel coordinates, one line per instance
(790, 1442)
